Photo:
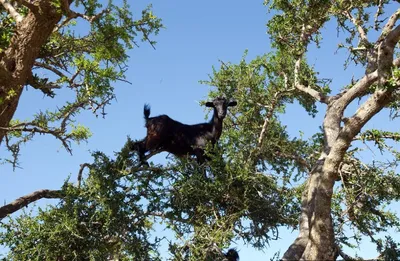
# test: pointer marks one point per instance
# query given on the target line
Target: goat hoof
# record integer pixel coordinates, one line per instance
(146, 164)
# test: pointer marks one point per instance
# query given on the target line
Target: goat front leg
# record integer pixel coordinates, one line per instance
(140, 147)
(201, 158)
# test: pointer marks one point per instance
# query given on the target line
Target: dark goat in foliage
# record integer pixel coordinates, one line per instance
(166, 134)
(232, 255)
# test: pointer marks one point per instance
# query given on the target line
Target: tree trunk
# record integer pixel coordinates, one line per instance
(17, 61)
(321, 243)
(296, 250)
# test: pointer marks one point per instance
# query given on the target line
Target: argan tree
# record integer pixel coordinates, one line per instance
(339, 189)
(259, 177)
(42, 49)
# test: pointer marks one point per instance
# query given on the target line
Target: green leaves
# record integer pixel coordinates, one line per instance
(86, 64)
(102, 218)
(296, 24)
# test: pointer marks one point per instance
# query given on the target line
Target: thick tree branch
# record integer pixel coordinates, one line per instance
(339, 104)
(319, 96)
(389, 25)
(28, 4)
(296, 249)
(393, 37)
(18, 59)
(352, 127)
(11, 10)
(27, 199)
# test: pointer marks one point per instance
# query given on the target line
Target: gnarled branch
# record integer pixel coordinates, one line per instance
(27, 199)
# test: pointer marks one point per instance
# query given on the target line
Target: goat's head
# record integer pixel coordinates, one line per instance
(220, 104)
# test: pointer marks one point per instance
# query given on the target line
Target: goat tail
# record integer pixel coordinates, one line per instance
(146, 111)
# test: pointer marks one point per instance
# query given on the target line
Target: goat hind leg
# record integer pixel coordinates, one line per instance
(140, 147)
(201, 158)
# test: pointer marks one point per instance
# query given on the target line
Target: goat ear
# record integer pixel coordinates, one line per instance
(209, 104)
(232, 103)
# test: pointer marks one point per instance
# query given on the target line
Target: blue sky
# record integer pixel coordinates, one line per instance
(198, 34)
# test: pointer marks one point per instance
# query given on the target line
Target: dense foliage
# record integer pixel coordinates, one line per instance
(78, 65)
(259, 178)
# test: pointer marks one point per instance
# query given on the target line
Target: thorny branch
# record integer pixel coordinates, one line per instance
(319, 96)
(58, 133)
(360, 29)
(50, 68)
(368, 136)
(52, 194)
(73, 15)
(379, 11)
(82, 167)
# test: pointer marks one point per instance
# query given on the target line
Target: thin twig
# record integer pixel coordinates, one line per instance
(50, 68)
(82, 167)
(379, 11)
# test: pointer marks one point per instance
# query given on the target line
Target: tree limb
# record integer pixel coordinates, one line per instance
(344, 255)
(17, 60)
(27, 199)
(28, 4)
(356, 91)
(319, 96)
(352, 127)
(50, 68)
(379, 11)
(360, 29)
(82, 167)
(369, 136)
(296, 249)
(389, 25)
(392, 37)
(11, 10)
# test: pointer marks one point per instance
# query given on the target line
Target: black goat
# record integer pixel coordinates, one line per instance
(232, 255)
(166, 134)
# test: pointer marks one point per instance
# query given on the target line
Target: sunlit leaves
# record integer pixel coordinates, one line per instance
(296, 20)
(103, 218)
(87, 63)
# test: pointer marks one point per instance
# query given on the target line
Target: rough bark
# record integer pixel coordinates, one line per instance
(296, 249)
(17, 61)
(316, 240)
(27, 199)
